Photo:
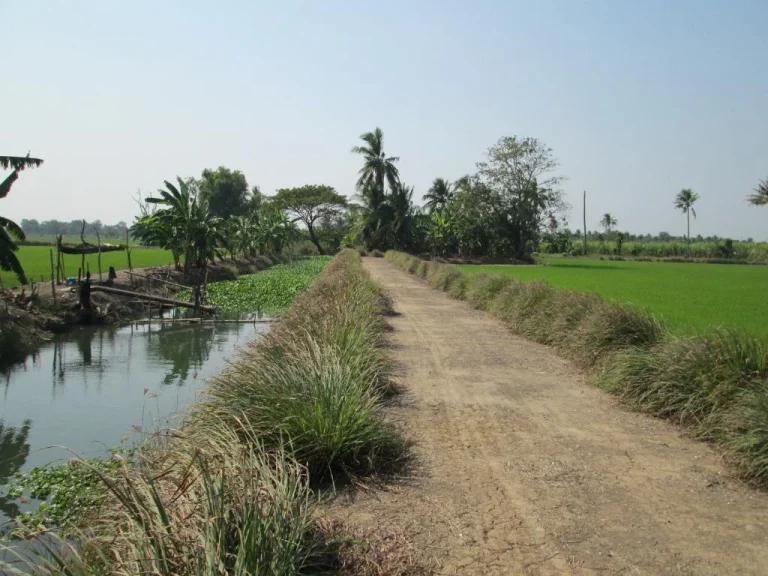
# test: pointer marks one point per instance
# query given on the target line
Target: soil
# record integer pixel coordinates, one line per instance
(525, 469)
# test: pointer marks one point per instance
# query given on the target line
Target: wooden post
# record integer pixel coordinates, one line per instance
(53, 285)
(98, 239)
(63, 269)
(585, 222)
(128, 252)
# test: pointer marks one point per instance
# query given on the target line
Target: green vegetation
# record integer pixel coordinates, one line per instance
(37, 261)
(319, 377)
(69, 491)
(9, 230)
(311, 205)
(725, 250)
(230, 493)
(688, 297)
(270, 291)
(715, 383)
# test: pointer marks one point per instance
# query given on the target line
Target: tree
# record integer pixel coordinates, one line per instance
(518, 172)
(400, 203)
(439, 195)
(9, 229)
(377, 167)
(684, 202)
(183, 223)
(608, 222)
(760, 197)
(309, 204)
(225, 191)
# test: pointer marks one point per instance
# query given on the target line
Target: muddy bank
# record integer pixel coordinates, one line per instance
(29, 316)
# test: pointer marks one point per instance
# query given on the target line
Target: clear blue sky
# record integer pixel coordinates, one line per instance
(637, 99)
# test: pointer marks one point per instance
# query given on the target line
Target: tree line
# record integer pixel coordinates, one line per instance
(508, 207)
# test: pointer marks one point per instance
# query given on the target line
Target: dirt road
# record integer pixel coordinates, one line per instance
(528, 470)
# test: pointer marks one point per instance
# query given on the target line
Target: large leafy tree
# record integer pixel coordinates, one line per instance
(309, 205)
(378, 168)
(519, 174)
(9, 230)
(225, 191)
(439, 195)
(760, 196)
(684, 202)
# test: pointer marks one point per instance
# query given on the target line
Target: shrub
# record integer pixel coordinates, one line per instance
(377, 254)
(484, 288)
(716, 383)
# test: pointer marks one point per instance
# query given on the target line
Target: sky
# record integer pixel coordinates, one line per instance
(636, 99)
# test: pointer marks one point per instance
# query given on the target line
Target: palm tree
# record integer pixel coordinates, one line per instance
(9, 229)
(608, 222)
(439, 195)
(377, 167)
(401, 213)
(760, 197)
(684, 201)
(182, 223)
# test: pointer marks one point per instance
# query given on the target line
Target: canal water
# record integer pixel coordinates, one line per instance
(96, 388)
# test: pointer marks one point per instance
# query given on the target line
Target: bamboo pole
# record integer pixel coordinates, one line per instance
(157, 279)
(98, 240)
(53, 285)
(150, 298)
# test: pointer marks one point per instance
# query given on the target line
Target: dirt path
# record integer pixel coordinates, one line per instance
(528, 470)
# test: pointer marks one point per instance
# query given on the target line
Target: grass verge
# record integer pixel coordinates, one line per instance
(714, 383)
(231, 492)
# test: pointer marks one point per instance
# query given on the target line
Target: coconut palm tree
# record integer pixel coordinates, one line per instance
(377, 167)
(439, 195)
(9, 229)
(760, 197)
(401, 214)
(608, 222)
(684, 202)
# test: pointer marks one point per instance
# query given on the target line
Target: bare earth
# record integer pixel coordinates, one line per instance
(525, 469)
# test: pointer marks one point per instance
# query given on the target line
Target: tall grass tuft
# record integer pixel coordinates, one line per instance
(318, 379)
(716, 384)
(231, 493)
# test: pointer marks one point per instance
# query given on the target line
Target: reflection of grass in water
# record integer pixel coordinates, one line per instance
(14, 450)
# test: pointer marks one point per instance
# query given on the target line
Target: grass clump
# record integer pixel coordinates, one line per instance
(714, 383)
(318, 379)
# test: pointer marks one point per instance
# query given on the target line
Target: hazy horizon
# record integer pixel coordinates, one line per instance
(637, 101)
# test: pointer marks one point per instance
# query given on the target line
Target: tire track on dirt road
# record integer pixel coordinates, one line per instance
(528, 470)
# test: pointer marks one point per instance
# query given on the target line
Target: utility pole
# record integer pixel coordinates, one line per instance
(585, 222)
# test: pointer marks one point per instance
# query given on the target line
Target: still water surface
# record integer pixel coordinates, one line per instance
(95, 388)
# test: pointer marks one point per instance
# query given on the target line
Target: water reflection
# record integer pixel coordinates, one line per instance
(14, 451)
(183, 348)
(94, 388)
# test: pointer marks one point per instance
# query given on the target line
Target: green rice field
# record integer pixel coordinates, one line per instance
(36, 261)
(688, 297)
